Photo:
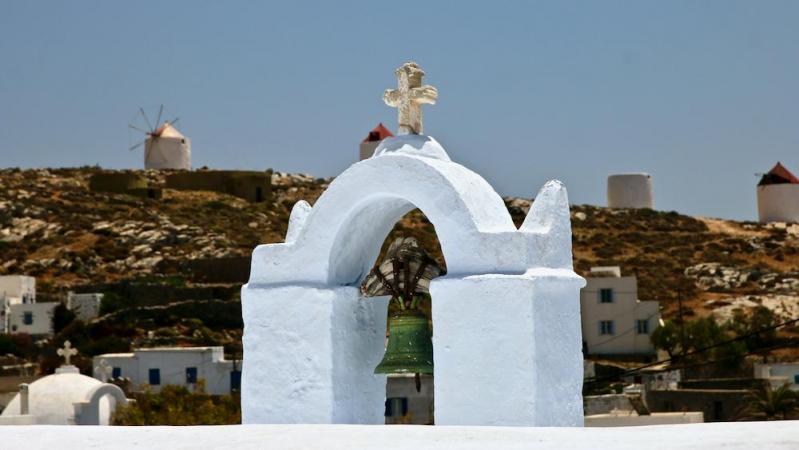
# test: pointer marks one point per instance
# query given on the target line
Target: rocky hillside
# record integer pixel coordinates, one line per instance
(54, 227)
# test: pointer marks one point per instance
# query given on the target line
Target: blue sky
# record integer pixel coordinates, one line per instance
(702, 95)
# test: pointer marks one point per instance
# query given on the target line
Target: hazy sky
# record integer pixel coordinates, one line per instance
(702, 95)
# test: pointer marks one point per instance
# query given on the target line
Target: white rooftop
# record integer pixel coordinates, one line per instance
(729, 435)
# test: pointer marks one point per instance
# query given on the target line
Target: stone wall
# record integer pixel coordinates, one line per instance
(718, 405)
(249, 185)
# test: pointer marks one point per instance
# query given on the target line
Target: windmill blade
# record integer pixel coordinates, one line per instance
(138, 129)
(137, 146)
(172, 122)
(141, 110)
(158, 120)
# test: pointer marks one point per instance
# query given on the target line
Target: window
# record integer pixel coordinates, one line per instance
(642, 326)
(606, 327)
(606, 295)
(396, 406)
(796, 379)
(116, 372)
(191, 375)
(27, 318)
(235, 380)
(718, 410)
(155, 377)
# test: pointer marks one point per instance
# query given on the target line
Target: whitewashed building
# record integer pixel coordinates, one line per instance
(14, 290)
(614, 320)
(19, 312)
(153, 368)
(85, 306)
(778, 196)
(779, 374)
(31, 318)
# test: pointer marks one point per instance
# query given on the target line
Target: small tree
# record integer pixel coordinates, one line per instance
(766, 403)
(758, 326)
(62, 317)
(667, 338)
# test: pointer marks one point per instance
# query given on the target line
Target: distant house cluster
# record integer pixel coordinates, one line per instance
(21, 313)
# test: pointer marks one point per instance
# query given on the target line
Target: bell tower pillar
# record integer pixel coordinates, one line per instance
(507, 349)
(310, 355)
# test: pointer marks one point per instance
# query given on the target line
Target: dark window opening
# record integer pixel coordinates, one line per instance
(27, 318)
(235, 380)
(259, 194)
(606, 295)
(155, 377)
(116, 372)
(191, 375)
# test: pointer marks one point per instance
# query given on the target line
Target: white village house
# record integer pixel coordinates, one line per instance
(779, 373)
(19, 312)
(614, 320)
(154, 368)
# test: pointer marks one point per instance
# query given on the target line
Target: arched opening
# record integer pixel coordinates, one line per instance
(410, 397)
(101, 403)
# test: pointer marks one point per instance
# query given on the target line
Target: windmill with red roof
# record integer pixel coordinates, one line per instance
(778, 196)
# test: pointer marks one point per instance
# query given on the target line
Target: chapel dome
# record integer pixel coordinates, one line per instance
(52, 398)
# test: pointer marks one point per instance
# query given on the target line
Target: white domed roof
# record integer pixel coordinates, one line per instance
(52, 398)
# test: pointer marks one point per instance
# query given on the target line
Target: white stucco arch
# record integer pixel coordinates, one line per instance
(311, 342)
(100, 404)
(337, 240)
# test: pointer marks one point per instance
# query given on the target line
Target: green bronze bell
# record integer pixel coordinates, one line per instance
(410, 348)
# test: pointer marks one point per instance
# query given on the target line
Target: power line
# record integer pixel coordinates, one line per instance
(693, 352)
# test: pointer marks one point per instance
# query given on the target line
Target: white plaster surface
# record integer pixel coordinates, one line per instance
(311, 344)
(630, 190)
(310, 354)
(508, 359)
(778, 203)
(731, 436)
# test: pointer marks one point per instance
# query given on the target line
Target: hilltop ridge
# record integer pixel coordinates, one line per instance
(54, 227)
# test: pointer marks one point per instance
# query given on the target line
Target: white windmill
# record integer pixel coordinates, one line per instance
(164, 147)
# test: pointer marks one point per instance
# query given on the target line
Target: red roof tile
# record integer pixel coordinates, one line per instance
(378, 134)
(779, 175)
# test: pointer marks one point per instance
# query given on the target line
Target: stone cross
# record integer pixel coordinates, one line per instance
(409, 97)
(103, 371)
(67, 352)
